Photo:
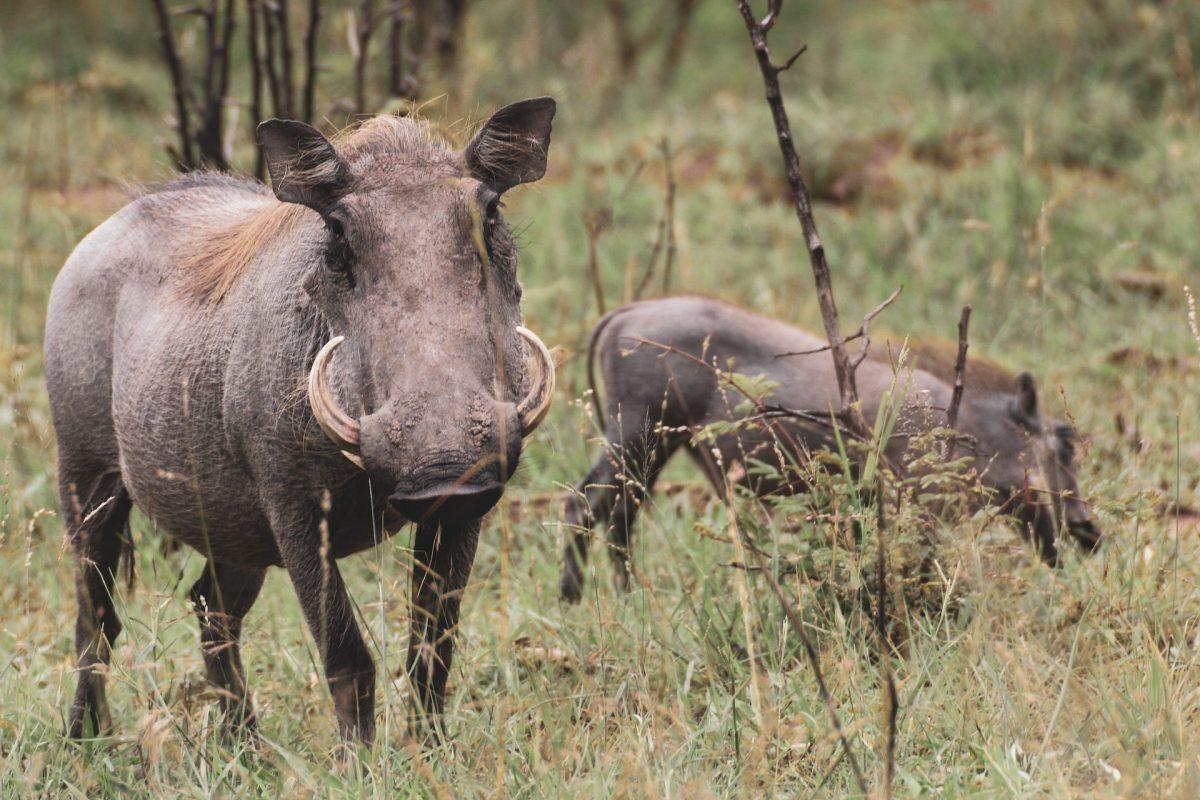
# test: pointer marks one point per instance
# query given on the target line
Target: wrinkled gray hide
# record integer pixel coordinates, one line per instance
(194, 408)
(657, 393)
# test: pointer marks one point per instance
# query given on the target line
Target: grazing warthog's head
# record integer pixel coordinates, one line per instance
(1030, 462)
(429, 382)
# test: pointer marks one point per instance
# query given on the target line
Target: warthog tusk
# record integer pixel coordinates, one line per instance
(533, 408)
(341, 429)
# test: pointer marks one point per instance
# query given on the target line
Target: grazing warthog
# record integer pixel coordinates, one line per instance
(660, 359)
(283, 380)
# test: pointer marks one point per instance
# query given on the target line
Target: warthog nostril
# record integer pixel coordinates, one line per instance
(447, 501)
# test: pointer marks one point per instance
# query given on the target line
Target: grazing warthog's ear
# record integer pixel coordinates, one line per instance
(1027, 399)
(304, 166)
(511, 147)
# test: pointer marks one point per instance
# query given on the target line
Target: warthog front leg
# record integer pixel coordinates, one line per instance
(222, 597)
(349, 668)
(442, 562)
(97, 511)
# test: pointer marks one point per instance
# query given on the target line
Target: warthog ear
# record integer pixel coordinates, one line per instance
(1027, 399)
(511, 147)
(304, 166)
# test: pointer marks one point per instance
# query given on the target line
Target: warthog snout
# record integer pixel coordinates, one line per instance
(447, 501)
(345, 431)
(1086, 532)
(441, 454)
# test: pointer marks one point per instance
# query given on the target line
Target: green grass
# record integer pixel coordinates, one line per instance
(1032, 159)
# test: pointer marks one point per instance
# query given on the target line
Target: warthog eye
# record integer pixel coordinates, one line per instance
(491, 213)
(338, 253)
(491, 221)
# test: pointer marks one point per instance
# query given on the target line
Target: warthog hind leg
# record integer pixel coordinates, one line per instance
(611, 494)
(591, 501)
(97, 510)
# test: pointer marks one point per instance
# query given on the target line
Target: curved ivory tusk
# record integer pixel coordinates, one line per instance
(338, 426)
(532, 410)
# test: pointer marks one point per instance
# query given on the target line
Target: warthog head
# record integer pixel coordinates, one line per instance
(429, 382)
(1030, 462)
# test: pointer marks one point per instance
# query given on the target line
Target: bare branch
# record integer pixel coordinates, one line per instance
(666, 229)
(960, 368)
(847, 387)
(788, 64)
(286, 54)
(310, 58)
(210, 134)
(594, 224)
(772, 16)
(254, 49)
(684, 11)
(201, 122)
(179, 83)
(404, 61)
(365, 22)
(844, 370)
(860, 333)
(274, 80)
(670, 217)
(865, 328)
(892, 705)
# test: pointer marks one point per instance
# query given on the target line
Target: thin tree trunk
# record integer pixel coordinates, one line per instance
(366, 22)
(274, 88)
(178, 82)
(684, 10)
(286, 53)
(255, 49)
(310, 58)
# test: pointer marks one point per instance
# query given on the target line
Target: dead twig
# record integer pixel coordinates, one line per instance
(595, 222)
(758, 29)
(891, 705)
(665, 237)
(960, 368)
(861, 333)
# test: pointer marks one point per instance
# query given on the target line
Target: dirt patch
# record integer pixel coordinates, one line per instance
(1131, 356)
(955, 149)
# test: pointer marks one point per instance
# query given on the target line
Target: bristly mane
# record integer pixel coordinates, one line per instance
(937, 356)
(217, 253)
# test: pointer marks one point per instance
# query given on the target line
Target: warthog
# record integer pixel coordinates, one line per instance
(660, 359)
(284, 380)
